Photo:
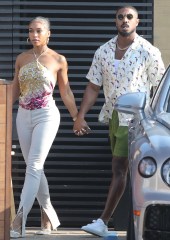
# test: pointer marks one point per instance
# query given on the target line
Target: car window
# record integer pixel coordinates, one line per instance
(162, 93)
(168, 102)
(156, 95)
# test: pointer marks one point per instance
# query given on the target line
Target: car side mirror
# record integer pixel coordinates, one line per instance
(131, 103)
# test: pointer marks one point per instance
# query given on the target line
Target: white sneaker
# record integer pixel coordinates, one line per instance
(97, 227)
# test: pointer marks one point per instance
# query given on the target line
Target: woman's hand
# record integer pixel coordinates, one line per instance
(81, 127)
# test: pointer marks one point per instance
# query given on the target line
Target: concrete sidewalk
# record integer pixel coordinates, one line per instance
(66, 234)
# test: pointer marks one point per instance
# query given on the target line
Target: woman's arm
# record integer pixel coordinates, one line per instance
(65, 90)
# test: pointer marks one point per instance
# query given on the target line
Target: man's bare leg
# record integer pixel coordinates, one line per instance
(117, 186)
(116, 189)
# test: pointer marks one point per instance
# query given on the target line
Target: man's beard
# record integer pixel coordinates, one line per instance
(126, 34)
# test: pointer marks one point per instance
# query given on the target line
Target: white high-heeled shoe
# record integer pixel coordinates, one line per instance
(44, 231)
(45, 224)
(20, 231)
(16, 233)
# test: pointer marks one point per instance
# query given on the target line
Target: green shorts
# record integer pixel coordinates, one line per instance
(118, 137)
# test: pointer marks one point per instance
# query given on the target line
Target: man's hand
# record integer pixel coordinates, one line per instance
(80, 127)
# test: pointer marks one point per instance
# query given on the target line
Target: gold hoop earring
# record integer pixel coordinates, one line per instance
(28, 40)
(48, 40)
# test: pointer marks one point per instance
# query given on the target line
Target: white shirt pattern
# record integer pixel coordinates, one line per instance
(140, 68)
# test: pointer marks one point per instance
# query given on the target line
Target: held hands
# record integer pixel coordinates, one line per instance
(80, 127)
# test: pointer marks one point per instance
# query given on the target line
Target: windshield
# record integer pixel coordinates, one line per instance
(160, 99)
(156, 96)
(164, 117)
(167, 106)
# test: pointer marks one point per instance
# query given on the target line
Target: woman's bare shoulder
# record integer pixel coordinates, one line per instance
(58, 57)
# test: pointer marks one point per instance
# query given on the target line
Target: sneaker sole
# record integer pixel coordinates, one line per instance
(93, 233)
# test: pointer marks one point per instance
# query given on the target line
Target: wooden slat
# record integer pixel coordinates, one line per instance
(8, 160)
(5, 158)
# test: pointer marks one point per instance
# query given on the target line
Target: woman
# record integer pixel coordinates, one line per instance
(36, 73)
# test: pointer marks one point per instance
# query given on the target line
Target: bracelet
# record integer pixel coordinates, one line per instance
(74, 119)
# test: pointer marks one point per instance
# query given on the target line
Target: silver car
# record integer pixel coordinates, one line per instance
(149, 161)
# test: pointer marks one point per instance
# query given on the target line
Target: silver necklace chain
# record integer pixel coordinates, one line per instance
(122, 49)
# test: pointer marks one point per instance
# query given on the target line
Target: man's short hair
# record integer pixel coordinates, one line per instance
(127, 6)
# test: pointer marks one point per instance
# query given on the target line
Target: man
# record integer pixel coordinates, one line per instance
(126, 63)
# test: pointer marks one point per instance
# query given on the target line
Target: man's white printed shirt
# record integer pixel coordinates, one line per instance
(140, 68)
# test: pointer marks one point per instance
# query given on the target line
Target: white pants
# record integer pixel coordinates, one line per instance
(36, 132)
